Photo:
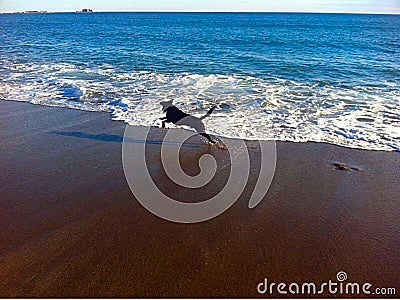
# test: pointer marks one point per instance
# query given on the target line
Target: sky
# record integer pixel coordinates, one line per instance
(339, 6)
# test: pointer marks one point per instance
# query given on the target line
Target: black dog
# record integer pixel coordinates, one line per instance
(178, 117)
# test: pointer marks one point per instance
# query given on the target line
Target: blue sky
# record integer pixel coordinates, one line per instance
(348, 6)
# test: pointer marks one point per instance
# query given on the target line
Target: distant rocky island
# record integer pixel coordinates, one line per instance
(85, 10)
(32, 12)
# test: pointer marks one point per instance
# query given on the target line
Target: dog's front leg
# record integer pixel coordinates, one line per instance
(163, 121)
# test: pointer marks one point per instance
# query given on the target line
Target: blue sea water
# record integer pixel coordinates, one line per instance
(298, 77)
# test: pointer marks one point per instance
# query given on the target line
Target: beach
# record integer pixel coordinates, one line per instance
(71, 227)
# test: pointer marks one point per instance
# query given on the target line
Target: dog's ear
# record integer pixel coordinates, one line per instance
(166, 104)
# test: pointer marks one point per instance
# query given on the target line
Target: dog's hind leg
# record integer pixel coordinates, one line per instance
(207, 136)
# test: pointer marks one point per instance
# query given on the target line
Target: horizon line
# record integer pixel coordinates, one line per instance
(199, 11)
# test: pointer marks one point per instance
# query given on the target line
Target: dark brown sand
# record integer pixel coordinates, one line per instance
(70, 226)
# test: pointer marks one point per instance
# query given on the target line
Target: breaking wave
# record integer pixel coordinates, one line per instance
(353, 115)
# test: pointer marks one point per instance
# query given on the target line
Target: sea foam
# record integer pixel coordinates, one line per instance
(249, 107)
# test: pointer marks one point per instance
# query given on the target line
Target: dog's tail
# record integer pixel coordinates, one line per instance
(209, 112)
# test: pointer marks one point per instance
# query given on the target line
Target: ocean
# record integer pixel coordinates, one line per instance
(283, 76)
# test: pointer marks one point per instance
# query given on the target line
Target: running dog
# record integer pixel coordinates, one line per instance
(176, 116)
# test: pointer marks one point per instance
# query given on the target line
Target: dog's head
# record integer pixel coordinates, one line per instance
(166, 104)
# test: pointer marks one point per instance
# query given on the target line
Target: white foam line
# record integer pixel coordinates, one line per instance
(251, 108)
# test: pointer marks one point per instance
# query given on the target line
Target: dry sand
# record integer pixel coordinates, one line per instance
(70, 226)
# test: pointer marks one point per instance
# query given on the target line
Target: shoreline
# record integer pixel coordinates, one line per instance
(227, 137)
(72, 228)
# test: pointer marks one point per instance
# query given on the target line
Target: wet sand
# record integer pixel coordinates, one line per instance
(70, 226)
